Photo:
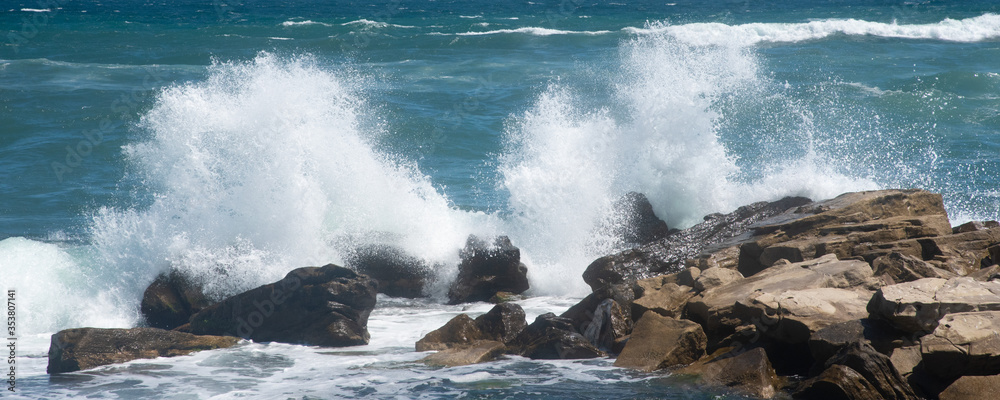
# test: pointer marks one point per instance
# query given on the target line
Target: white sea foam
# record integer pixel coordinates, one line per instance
(303, 23)
(374, 24)
(536, 31)
(37, 10)
(983, 27)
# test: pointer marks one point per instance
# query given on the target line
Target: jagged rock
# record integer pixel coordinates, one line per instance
(582, 314)
(659, 295)
(917, 306)
(826, 342)
(714, 308)
(85, 348)
(973, 387)
(505, 297)
(609, 325)
(900, 268)
(398, 273)
(905, 359)
(474, 353)
(486, 270)
(322, 306)
(713, 277)
(659, 342)
(973, 226)
(748, 373)
(965, 343)
(502, 323)
(792, 316)
(843, 225)
(837, 383)
(171, 300)
(668, 255)
(551, 337)
(876, 368)
(987, 274)
(962, 253)
(635, 222)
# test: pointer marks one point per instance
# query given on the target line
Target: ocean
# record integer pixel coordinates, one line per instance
(236, 140)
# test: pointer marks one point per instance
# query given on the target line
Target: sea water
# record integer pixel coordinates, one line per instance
(237, 140)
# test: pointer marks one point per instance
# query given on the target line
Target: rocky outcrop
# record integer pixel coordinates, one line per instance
(473, 353)
(713, 277)
(501, 324)
(581, 315)
(972, 387)
(398, 273)
(900, 268)
(85, 348)
(551, 337)
(488, 269)
(793, 316)
(661, 296)
(837, 383)
(965, 343)
(322, 306)
(828, 341)
(659, 342)
(634, 222)
(171, 300)
(669, 254)
(858, 371)
(749, 373)
(608, 327)
(917, 306)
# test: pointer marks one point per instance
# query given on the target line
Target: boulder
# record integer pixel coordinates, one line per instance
(900, 268)
(398, 273)
(962, 253)
(990, 273)
(322, 306)
(608, 326)
(486, 270)
(501, 324)
(659, 342)
(669, 255)
(973, 226)
(634, 222)
(826, 342)
(582, 314)
(916, 307)
(474, 353)
(793, 316)
(876, 368)
(85, 348)
(715, 308)
(659, 295)
(837, 383)
(551, 337)
(973, 387)
(713, 277)
(748, 373)
(965, 343)
(171, 300)
(906, 359)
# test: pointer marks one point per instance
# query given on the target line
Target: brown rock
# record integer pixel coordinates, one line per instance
(900, 268)
(85, 348)
(748, 373)
(474, 353)
(667, 299)
(582, 314)
(608, 326)
(917, 306)
(876, 368)
(660, 342)
(826, 342)
(502, 323)
(713, 277)
(794, 315)
(973, 387)
(837, 383)
(398, 273)
(963, 344)
(488, 269)
(171, 300)
(906, 359)
(550, 337)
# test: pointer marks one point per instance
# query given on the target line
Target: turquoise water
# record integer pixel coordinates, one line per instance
(258, 136)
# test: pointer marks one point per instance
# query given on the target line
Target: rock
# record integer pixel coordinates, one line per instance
(551, 337)
(748, 373)
(502, 323)
(171, 300)
(475, 353)
(917, 306)
(987, 274)
(582, 314)
(900, 268)
(608, 326)
(85, 348)
(826, 342)
(837, 383)
(321, 306)
(505, 297)
(714, 308)
(973, 387)
(398, 274)
(906, 359)
(659, 342)
(660, 296)
(668, 255)
(965, 343)
(486, 270)
(792, 316)
(973, 226)
(713, 277)
(635, 222)
(876, 368)
(962, 253)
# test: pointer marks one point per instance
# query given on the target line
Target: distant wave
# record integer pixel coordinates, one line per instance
(974, 29)
(374, 24)
(36, 10)
(534, 31)
(306, 22)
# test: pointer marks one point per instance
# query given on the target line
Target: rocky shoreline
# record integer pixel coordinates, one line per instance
(867, 295)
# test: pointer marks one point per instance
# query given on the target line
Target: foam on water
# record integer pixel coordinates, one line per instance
(536, 31)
